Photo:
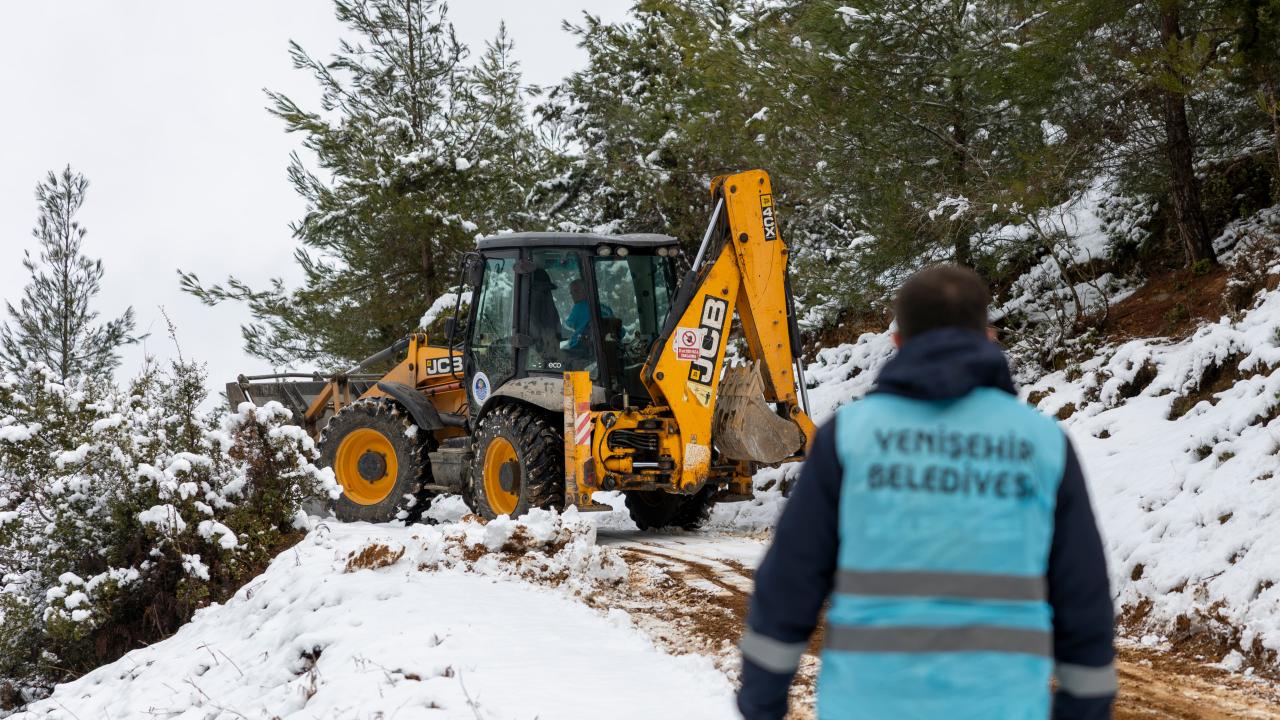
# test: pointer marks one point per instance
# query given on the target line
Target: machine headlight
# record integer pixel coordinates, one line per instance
(603, 250)
(623, 252)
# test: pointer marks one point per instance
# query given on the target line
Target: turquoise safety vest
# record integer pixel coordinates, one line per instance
(946, 517)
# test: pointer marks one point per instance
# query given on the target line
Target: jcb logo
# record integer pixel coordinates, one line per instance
(714, 312)
(442, 365)
(770, 219)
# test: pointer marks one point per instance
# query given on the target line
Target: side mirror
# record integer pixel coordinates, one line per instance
(450, 327)
(475, 272)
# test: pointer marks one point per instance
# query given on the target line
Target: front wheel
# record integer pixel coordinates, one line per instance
(519, 463)
(379, 456)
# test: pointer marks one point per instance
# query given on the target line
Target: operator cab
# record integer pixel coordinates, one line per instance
(548, 303)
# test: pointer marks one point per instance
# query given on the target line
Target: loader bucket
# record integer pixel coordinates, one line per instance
(745, 428)
(297, 396)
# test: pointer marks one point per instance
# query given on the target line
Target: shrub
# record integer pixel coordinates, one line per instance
(122, 512)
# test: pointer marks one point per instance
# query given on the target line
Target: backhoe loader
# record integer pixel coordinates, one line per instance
(583, 363)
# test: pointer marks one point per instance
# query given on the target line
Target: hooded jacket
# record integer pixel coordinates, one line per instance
(799, 571)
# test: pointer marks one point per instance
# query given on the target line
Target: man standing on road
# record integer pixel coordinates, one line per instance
(949, 524)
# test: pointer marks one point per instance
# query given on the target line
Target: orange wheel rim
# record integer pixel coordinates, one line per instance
(371, 481)
(499, 453)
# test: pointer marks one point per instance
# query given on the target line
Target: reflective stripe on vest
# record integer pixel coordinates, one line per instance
(1084, 681)
(968, 638)
(985, 586)
(772, 655)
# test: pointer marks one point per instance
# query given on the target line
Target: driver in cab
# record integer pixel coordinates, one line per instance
(579, 319)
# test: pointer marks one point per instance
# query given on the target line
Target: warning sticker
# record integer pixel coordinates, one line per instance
(701, 392)
(687, 342)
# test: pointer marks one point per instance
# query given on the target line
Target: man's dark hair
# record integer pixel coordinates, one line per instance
(941, 296)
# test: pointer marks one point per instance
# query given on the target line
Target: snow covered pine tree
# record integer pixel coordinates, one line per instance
(53, 323)
(124, 511)
(418, 154)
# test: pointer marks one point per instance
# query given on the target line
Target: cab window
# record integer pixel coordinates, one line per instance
(637, 292)
(561, 321)
(492, 351)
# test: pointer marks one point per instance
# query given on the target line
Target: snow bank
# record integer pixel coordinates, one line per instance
(1179, 441)
(417, 622)
(543, 546)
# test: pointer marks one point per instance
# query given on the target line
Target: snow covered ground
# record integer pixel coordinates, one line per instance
(1180, 443)
(452, 621)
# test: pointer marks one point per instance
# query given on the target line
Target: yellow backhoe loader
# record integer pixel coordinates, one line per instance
(583, 363)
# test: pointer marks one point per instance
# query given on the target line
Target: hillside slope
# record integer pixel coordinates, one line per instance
(1180, 442)
(458, 620)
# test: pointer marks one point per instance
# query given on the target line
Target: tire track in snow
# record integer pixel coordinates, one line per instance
(694, 593)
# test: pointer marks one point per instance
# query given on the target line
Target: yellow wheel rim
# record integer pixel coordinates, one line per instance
(499, 453)
(371, 481)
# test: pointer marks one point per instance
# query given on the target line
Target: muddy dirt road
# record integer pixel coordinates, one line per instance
(690, 593)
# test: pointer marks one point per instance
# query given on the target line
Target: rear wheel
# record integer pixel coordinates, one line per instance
(655, 509)
(379, 456)
(519, 463)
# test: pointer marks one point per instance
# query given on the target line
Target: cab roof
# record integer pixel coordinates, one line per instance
(561, 239)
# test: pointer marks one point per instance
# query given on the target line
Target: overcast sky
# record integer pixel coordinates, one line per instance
(160, 105)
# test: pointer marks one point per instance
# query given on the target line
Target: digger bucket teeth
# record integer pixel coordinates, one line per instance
(745, 428)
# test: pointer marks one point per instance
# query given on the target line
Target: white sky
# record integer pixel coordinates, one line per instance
(160, 105)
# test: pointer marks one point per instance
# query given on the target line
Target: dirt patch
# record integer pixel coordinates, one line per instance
(372, 556)
(1170, 305)
(1140, 381)
(1202, 636)
(1155, 684)
(715, 617)
(521, 542)
(706, 604)
(849, 327)
(701, 607)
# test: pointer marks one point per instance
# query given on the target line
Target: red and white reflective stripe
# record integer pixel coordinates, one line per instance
(583, 431)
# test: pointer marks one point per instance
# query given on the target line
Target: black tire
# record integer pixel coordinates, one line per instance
(537, 479)
(655, 509)
(410, 444)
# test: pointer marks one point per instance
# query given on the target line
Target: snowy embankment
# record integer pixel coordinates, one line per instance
(458, 620)
(1180, 443)
(1181, 446)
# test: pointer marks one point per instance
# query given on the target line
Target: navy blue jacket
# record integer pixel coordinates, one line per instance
(796, 576)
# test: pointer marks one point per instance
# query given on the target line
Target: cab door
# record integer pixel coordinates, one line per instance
(491, 354)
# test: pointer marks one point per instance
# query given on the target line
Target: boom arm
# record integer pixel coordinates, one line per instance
(741, 266)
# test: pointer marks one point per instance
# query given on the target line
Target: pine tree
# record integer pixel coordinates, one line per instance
(665, 104)
(1150, 90)
(417, 156)
(54, 324)
(929, 115)
(1257, 60)
(512, 155)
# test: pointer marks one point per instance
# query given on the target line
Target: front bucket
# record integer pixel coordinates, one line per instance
(745, 428)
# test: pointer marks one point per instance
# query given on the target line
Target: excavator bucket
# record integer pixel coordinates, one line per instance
(745, 428)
